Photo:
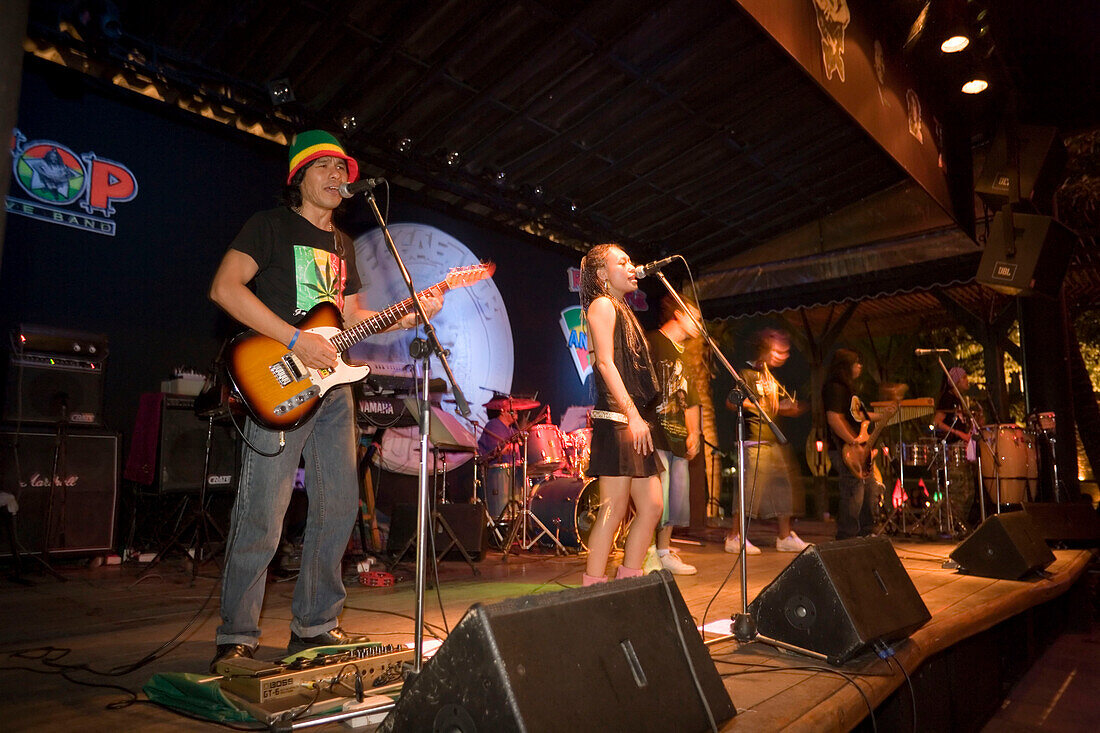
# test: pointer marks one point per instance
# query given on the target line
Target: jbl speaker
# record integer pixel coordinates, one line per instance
(80, 504)
(1042, 158)
(839, 598)
(622, 656)
(1006, 546)
(1032, 259)
(48, 390)
(466, 521)
(181, 452)
(1072, 524)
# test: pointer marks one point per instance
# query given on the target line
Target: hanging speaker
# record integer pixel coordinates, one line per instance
(181, 453)
(79, 506)
(1030, 259)
(839, 598)
(1006, 546)
(623, 655)
(1042, 158)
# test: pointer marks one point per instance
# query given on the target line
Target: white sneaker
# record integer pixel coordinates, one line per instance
(791, 543)
(672, 563)
(652, 563)
(733, 545)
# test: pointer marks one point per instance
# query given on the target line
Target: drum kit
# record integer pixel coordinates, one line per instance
(533, 484)
(1009, 463)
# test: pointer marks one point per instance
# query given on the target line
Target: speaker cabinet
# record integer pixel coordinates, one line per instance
(80, 504)
(616, 656)
(1006, 546)
(181, 452)
(38, 391)
(1042, 158)
(1035, 263)
(1071, 524)
(466, 521)
(839, 598)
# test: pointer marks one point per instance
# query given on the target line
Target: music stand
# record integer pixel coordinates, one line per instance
(445, 433)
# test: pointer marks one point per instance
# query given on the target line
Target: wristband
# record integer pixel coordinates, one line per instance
(297, 333)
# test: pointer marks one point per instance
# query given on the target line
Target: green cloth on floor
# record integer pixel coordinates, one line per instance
(196, 694)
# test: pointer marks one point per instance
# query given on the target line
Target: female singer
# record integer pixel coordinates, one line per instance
(626, 392)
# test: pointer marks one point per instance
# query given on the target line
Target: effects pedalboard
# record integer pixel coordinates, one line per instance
(320, 678)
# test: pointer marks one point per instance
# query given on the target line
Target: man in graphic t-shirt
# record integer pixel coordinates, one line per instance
(679, 435)
(281, 264)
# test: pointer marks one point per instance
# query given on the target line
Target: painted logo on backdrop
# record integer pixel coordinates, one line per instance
(65, 188)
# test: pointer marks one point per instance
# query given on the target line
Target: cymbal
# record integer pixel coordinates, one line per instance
(511, 403)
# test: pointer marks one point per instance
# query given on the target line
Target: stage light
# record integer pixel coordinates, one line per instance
(452, 158)
(500, 177)
(955, 43)
(280, 92)
(819, 445)
(976, 85)
(404, 145)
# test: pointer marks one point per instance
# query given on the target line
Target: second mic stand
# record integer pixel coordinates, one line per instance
(744, 626)
(431, 346)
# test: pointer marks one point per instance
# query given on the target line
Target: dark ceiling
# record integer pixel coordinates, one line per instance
(671, 126)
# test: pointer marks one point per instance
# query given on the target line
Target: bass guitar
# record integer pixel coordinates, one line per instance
(859, 457)
(280, 391)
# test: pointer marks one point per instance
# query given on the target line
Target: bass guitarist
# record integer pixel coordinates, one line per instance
(282, 263)
(845, 415)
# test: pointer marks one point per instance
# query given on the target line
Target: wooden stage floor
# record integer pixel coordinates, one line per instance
(110, 618)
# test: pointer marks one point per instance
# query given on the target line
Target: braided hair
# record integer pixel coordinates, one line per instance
(592, 287)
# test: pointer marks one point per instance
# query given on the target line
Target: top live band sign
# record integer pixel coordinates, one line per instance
(55, 178)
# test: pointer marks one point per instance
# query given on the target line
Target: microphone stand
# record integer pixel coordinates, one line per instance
(420, 349)
(976, 435)
(744, 626)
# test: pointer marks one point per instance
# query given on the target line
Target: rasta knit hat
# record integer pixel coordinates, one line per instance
(313, 144)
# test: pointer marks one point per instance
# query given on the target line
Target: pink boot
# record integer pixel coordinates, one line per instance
(587, 579)
(625, 572)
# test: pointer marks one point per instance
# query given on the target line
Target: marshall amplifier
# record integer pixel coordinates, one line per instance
(77, 506)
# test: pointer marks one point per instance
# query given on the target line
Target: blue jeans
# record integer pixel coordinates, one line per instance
(675, 485)
(327, 443)
(854, 517)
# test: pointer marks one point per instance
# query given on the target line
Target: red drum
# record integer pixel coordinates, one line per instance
(568, 508)
(578, 449)
(545, 449)
(1013, 462)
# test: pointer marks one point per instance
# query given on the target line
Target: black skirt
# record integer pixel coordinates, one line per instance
(613, 452)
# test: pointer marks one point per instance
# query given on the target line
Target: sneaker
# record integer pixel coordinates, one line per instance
(733, 545)
(672, 563)
(652, 563)
(791, 543)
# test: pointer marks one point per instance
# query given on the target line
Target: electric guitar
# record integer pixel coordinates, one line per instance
(280, 391)
(859, 457)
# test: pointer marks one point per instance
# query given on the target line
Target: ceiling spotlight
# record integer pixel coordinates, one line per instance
(280, 92)
(452, 158)
(538, 191)
(572, 206)
(349, 122)
(976, 85)
(955, 43)
(499, 177)
(404, 145)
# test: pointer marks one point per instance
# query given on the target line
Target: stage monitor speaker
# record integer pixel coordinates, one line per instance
(1037, 260)
(618, 656)
(839, 598)
(1071, 524)
(38, 391)
(182, 450)
(466, 520)
(82, 515)
(1006, 546)
(1042, 158)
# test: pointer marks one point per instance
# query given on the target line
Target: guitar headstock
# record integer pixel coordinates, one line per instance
(460, 277)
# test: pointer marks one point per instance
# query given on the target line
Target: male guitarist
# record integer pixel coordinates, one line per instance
(281, 264)
(845, 414)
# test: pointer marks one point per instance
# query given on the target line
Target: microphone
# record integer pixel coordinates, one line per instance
(348, 190)
(928, 352)
(652, 267)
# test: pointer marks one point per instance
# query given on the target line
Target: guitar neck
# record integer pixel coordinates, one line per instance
(382, 320)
